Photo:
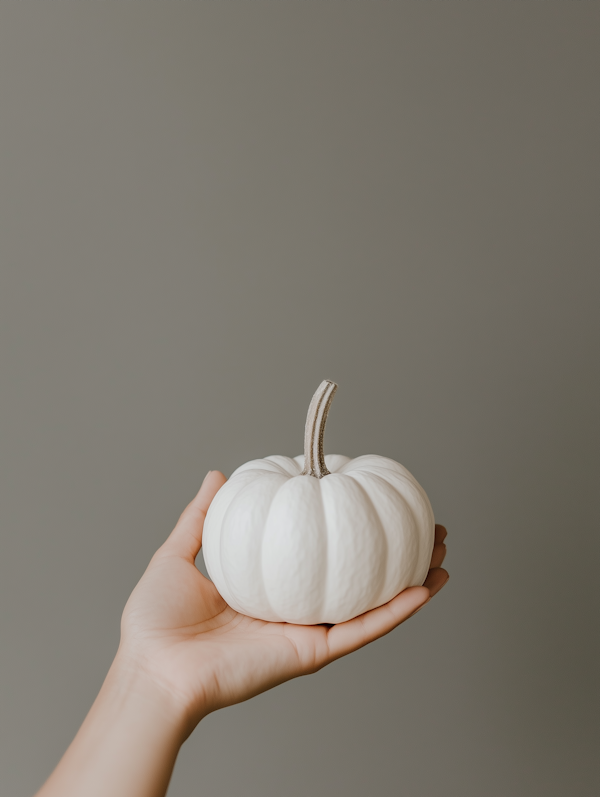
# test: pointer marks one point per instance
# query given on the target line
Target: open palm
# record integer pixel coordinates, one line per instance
(179, 629)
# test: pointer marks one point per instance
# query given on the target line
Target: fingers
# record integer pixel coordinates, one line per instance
(436, 578)
(186, 538)
(346, 637)
(439, 547)
(440, 533)
(438, 554)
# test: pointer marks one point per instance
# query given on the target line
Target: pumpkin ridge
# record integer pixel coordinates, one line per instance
(395, 468)
(283, 463)
(262, 558)
(326, 554)
(417, 501)
(211, 538)
(258, 535)
(383, 578)
(354, 550)
(289, 568)
(261, 465)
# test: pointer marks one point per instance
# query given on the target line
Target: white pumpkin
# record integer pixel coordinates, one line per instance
(321, 543)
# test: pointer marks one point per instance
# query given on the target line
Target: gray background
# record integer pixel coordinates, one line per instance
(206, 209)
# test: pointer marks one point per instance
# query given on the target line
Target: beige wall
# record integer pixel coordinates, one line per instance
(206, 208)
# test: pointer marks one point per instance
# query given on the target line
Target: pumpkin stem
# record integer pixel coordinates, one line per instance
(314, 461)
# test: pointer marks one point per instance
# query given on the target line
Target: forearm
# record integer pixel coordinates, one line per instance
(127, 745)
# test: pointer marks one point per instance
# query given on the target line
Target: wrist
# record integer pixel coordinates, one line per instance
(127, 744)
(130, 685)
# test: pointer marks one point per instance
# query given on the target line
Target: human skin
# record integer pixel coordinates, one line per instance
(185, 653)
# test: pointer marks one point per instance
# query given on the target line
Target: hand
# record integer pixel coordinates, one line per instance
(178, 630)
(184, 653)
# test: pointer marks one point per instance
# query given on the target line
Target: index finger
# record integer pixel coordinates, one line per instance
(346, 637)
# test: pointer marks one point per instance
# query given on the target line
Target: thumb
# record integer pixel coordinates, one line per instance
(186, 538)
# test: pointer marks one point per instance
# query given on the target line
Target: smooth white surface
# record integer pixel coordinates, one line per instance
(281, 546)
